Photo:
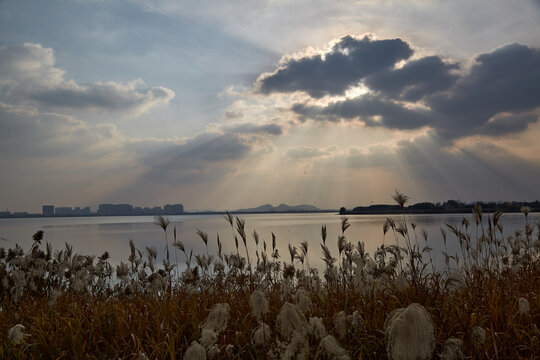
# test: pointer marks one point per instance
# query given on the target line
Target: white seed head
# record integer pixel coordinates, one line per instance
(229, 351)
(452, 349)
(296, 347)
(54, 297)
(381, 283)
(340, 322)
(304, 301)
(259, 304)
(16, 334)
(331, 347)
(409, 334)
(523, 306)
(478, 335)
(195, 352)
(217, 318)
(316, 328)
(208, 338)
(285, 289)
(356, 321)
(262, 335)
(290, 319)
(141, 356)
(213, 352)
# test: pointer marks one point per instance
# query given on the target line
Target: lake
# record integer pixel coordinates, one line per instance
(94, 235)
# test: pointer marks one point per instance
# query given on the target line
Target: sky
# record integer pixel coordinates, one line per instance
(234, 104)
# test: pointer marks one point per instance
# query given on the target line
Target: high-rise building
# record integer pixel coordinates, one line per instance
(175, 209)
(63, 211)
(47, 210)
(115, 209)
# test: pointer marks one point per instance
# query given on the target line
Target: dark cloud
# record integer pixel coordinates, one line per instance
(507, 124)
(371, 110)
(499, 95)
(193, 160)
(349, 60)
(506, 80)
(415, 79)
(112, 96)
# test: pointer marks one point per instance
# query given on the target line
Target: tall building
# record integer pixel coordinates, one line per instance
(175, 209)
(47, 210)
(63, 211)
(115, 209)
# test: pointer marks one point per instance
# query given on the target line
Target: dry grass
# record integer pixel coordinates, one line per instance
(81, 307)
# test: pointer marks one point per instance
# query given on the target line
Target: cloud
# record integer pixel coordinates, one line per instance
(27, 132)
(415, 79)
(498, 95)
(250, 128)
(109, 95)
(29, 73)
(231, 114)
(333, 72)
(309, 152)
(57, 139)
(191, 160)
(28, 62)
(503, 124)
(370, 109)
(504, 81)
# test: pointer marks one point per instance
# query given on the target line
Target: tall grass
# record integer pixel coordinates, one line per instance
(482, 303)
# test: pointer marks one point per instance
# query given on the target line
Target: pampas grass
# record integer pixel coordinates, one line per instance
(259, 304)
(195, 352)
(409, 333)
(452, 349)
(331, 347)
(16, 334)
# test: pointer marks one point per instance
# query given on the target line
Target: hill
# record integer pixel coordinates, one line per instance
(281, 208)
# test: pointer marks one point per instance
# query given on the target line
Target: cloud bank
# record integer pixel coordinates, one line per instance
(28, 72)
(498, 94)
(333, 72)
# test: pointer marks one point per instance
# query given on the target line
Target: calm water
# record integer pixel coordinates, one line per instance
(94, 235)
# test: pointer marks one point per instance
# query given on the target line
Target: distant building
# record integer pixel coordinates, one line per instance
(47, 210)
(62, 211)
(175, 209)
(68, 211)
(115, 209)
(81, 211)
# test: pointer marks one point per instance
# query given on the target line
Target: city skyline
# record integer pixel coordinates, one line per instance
(102, 209)
(230, 105)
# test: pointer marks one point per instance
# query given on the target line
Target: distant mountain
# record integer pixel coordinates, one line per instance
(282, 208)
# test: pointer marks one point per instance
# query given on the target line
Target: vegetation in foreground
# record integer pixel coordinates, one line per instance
(482, 303)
